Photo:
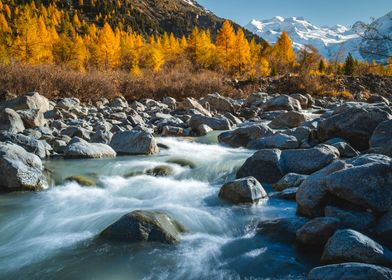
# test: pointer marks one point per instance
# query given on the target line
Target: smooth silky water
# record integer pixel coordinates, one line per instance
(53, 234)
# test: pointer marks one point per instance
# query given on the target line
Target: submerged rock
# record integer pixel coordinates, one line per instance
(82, 180)
(245, 190)
(160, 171)
(140, 225)
(282, 230)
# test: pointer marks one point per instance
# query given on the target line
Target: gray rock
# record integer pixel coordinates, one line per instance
(256, 98)
(59, 146)
(173, 131)
(135, 142)
(20, 170)
(215, 123)
(350, 271)
(289, 120)
(144, 226)
(357, 220)
(77, 131)
(368, 185)
(203, 130)
(384, 227)
(303, 100)
(278, 141)
(281, 230)
(351, 246)
(218, 103)
(101, 136)
(283, 102)
(245, 190)
(290, 180)
(381, 140)
(312, 194)
(68, 103)
(354, 122)
(11, 121)
(32, 100)
(170, 101)
(30, 144)
(118, 102)
(375, 98)
(316, 232)
(32, 118)
(241, 136)
(79, 148)
(191, 103)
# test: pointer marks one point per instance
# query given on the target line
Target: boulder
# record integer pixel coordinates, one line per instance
(381, 140)
(279, 141)
(215, 123)
(32, 100)
(191, 103)
(68, 103)
(384, 228)
(240, 137)
(32, 118)
(11, 121)
(218, 103)
(256, 98)
(355, 123)
(264, 165)
(144, 226)
(245, 190)
(358, 220)
(79, 148)
(282, 102)
(316, 232)
(20, 170)
(348, 245)
(303, 100)
(281, 230)
(118, 102)
(368, 185)
(288, 120)
(30, 144)
(375, 98)
(82, 180)
(290, 180)
(134, 142)
(168, 130)
(312, 194)
(77, 131)
(170, 101)
(202, 130)
(350, 271)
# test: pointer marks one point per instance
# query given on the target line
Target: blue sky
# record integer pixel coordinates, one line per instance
(319, 12)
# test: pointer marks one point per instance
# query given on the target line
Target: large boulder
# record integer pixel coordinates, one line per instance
(79, 148)
(289, 120)
(368, 185)
(348, 245)
(32, 118)
(139, 226)
(384, 228)
(354, 122)
(350, 271)
(30, 144)
(32, 100)
(134, 142)
(283, 102)
(290, 180)
(68, 103)
(240, 137)
(11, 121)
(213, 122)
(218, 103)
(316, 232)
(191, 103)
(312, 194)
(20, 170)
(245, 190)
(361, 221)
(281, 230)
(381, 140)
(279, 141)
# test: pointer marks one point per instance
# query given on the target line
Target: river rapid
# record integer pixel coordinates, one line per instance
(53, 234)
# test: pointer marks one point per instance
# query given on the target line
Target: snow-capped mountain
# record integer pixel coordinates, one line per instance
(332, 42)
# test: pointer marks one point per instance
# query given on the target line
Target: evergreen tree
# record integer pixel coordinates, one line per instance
(349, 65)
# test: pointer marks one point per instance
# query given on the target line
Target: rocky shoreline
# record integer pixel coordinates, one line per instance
(332, 157)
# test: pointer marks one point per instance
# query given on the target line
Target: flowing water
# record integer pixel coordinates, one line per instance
(53, 234)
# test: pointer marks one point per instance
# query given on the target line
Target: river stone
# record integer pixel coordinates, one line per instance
(30, 144)
(307, 161)
(140, 226)
(354, 122)
(289, 120)
(118, 102)
(20, 170)
(290, 180)
(348, 245)
(32, 100)
(350, 271)
(241, 136)
(218, 103)
(134, 142)
(384, 227)
(263, 165)
(68, 103)
(283, 102)
(375, 98)
(245, 190)
(357, 220)
(79, 148)
(316, 232)
(32, 118)
(312, 194)
(77, 131)
(368, 185)
(281, 230)
(215, 123)
(287, 194)
(303, 100)
(160, 171)
(381, 140)
(82, 180)
(256, 98)
(10, 121)
(191, 103)
(278, 141)
(203, 130)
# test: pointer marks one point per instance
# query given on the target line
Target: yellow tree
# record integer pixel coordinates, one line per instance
(201, 50)
(154, 58)
(5, 40)
(107, 51)
(242, 53)
(225, 44)
(283, 53)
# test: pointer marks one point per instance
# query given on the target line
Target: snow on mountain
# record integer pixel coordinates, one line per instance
(332, 42)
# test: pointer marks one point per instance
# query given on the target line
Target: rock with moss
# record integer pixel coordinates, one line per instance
(160, 171)
(82, 180)
(182, 162)
(144, 226)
